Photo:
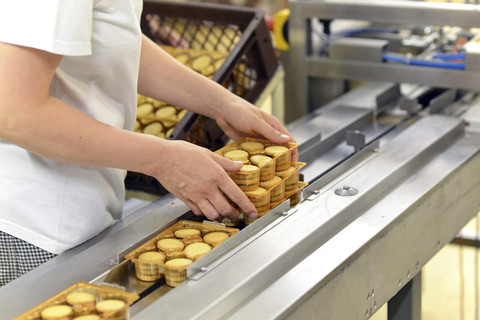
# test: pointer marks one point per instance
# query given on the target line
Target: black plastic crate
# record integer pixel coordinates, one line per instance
(239, 32)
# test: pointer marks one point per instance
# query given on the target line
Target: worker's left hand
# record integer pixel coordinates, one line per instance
(240, 119)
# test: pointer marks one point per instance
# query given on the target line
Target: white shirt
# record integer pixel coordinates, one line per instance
(52, 205)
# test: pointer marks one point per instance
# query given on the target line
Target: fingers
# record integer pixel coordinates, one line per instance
(216, 208)
(232, 191)
(272, 129)
(195, 209)
(212, 203)
(208, 210)
(220, 207)
(282, 134)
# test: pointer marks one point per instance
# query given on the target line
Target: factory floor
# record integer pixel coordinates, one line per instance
(449, 283)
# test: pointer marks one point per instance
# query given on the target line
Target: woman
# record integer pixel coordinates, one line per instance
(70, 72)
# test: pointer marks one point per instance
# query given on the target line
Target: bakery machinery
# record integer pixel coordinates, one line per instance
(393, 172)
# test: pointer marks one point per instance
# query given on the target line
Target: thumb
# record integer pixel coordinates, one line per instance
(227, 164)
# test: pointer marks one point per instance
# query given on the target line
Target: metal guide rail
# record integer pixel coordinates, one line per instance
(387, 189)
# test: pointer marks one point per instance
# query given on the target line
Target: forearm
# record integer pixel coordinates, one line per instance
(164, 78)
(60, 132)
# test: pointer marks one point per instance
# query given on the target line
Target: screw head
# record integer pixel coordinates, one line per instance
(346, 191)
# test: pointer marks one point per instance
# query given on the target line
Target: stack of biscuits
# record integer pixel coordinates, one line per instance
(172, 251)
(84, 301)
(268, 176)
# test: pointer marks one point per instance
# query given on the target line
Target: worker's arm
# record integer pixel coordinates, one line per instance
(164, 78)
(47, 126)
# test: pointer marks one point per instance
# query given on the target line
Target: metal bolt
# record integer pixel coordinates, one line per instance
(373, 293)
(400, 282)
(368, 296)
(203, 269)
(417, 265)
(366, 313)
(408, 274)
(316, 191)
(346, 190)
(284, 213)
(439, 244)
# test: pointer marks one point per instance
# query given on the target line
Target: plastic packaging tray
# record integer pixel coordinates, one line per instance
(101, 293)
(169, 233)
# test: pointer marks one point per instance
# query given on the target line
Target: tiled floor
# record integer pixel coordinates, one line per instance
(449, 282)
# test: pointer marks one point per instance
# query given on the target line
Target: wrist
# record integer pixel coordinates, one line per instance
(155, 156)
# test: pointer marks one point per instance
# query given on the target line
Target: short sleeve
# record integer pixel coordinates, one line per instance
(58, 26)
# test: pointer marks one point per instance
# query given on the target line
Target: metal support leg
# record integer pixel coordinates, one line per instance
(407, 303)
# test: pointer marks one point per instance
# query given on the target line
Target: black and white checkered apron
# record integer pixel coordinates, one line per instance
(17, 257)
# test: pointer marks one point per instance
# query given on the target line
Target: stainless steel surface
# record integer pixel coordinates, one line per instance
(366, 263)
(89, 260)
(391, 11)
(407, 303)
(358, 49)
(200, 268)
(329, 68)
(363, 247)
(273, 254)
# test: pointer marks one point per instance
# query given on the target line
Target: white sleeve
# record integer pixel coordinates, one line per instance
(58, 26)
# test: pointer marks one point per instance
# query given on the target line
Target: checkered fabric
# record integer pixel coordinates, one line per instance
(17, 257)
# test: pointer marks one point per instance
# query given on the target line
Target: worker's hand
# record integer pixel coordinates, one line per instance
(241, 119)
(198, 177)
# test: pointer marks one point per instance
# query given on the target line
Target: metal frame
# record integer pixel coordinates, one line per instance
(312, 81)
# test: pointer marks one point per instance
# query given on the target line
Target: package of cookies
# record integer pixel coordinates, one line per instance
(266, 165)
(291, 175)
(247, 178)
(84, 300)
(257, 146)
(277, 174)
(234, 222)
(260, 198)
(276, 187)
(176, 271)
(295, 196)
(184, 242)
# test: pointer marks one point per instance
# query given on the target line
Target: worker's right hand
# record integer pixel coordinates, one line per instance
(199, 178)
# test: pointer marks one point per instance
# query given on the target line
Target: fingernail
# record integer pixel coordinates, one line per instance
(284, 136)
(238, 162)
(252, 215)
